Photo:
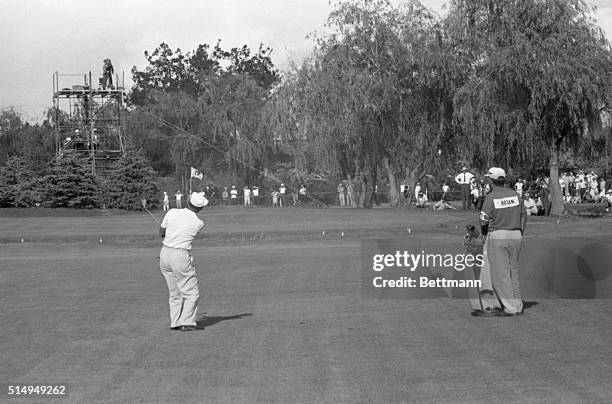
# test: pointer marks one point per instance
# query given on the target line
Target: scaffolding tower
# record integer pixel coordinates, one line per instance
(89, 118)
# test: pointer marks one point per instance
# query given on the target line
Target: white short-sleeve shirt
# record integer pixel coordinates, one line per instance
(182, 226)
(464, 178)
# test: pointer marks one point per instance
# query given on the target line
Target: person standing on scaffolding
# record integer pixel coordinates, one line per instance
(107, 74)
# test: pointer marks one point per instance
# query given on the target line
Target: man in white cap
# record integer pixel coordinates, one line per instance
(178, 229)
(463, 179)
(503, 218)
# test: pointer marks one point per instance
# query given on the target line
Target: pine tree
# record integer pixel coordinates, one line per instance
(131, 180)
(16, 177)
(70, 183)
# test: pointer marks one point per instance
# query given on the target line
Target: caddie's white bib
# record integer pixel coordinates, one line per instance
(507, 202)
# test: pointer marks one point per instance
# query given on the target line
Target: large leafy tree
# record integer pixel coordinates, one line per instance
(540, 79)
(202, 106)
(378, 92)
(33, 143)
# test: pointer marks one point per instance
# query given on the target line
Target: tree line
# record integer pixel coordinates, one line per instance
(391, 92)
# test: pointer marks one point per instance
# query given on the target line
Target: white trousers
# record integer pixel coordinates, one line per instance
(177, 267)
(503, 250)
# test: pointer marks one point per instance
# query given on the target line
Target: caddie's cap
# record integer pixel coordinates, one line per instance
(496, 173)
(464, 168)
(198, 200)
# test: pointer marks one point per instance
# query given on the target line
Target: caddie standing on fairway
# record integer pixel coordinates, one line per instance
(504, 218)
(178, 229)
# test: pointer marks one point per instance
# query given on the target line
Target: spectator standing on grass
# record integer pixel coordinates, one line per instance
(570, 185)
(592, 180)
(503, 218)
(283, 197)
(179, 199)
(234, 195)
(595, 184)
(405, 193)
(539, 205)
(178, 229)
(580, 185)
(342, 194)
(350, 194)
(255, 195)
(246, 192)
(294, 198)
(545, 195)
(417, 189)
(518, 187)
(562, 181)
(275, 198)
(602, 184)
(225, 196)
(302, 195)
(166, 202)
(474, 192)
(463, 179)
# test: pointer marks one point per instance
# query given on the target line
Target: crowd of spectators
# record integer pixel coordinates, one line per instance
(576, 188)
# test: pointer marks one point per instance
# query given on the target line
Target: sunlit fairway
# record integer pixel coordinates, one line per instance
(283, 315)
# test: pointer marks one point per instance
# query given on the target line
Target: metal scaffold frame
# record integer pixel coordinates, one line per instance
(89, 119)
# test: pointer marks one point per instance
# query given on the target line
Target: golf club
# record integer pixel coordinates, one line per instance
(144, 206)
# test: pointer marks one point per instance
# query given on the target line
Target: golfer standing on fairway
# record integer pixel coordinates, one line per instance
(178, 229)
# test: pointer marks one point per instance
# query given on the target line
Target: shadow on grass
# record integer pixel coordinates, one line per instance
(528, 305)
(207, 321)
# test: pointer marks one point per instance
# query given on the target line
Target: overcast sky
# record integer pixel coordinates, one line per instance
(39, 37)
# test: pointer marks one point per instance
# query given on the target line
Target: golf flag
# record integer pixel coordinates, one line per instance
(196, 174)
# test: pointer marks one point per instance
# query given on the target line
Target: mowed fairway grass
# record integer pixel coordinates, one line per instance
(283, 315)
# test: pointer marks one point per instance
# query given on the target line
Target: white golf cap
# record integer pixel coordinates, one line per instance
(198, 200)
(496, 173)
